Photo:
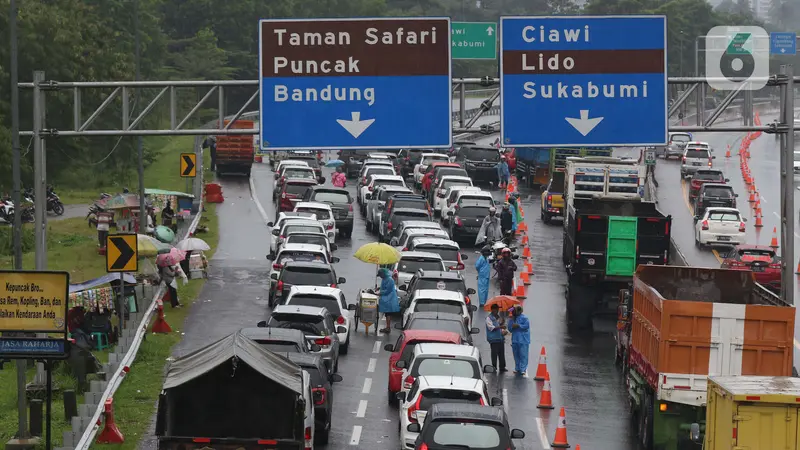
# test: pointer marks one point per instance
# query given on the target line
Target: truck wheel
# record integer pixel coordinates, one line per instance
(646, 422)
(323, 437)
(580, 305)
(546, 218)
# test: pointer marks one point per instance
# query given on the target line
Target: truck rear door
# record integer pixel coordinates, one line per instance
(591, 243)
(653, 235)
(765, 426)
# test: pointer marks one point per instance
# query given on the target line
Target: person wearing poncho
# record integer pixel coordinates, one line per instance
(388, 303)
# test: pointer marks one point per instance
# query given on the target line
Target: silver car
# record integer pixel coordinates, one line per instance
(674, 149)
(376, 201)
(410, 262)
(695, 158)
(318, 325)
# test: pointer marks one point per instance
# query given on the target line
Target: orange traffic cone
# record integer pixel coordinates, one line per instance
(110, 433)
(526, 278)
(526, 252)
(797, 271)
(541, 368)
(161, 325)
(546, 399)
(525, 240)
(528, 267)
(519, 291)
(728, 152)
(774, 242)
(758, 223)
(560, 440)
(522, 227)
(752, 197)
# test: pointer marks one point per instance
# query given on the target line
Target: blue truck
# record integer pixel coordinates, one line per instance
(535, 166)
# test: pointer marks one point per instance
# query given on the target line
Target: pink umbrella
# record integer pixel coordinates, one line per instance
(175, 256)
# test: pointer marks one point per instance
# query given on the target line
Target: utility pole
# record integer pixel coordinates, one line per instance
(140, 139)
(787, 188)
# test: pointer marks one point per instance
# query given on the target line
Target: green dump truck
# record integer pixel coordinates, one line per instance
(605, 240)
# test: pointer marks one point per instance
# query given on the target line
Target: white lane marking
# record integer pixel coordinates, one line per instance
(377, 347)
(542, 433)
(367, 386)
(797, 235)
(371, 366)
(356, 436)
(505, 400)
(254, 197)
(796, 344)
(776, 215)
(362, 409)
(761, 197)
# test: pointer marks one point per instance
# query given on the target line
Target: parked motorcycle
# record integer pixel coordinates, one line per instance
(54, 202)
(7, 209)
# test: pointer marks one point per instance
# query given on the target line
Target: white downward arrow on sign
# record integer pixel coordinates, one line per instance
(489, 30)
(783, 50)
(584, 125)
(355, 126)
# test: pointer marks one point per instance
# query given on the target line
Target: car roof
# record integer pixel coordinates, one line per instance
(438, 348)
(435, 154)
(324, 188)
(386, 177)
(701, 143)
(305, 359)
(723, 209)
(319, 290)
(455, 178)
(432, 335)
(303, 222)
(289, 162)
(754, 247)
(436, 293)
(473, 192)
(278, 334)
(305, 167)
(307, 181)
(439, 275)
(405, 210)
(309, 233)
(467, 411)
(420, 224)
(444, 164)
(287, 215)
(315, 205)
(436, 316)
(314, 265)
(426, 232)
(299, 309)
(436, 241)
(409, 196)
(420, 255)
(445, 382)
(302, 248)
(465, 188)
(391, 188)
(381, 155)
(722, 185)
(377, 162)
(709, 171)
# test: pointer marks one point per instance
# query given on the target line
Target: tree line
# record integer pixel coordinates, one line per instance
(95, 40)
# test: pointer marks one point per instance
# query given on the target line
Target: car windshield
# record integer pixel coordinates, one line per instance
(446, 367)
(331, 197)
(439, 325)
(419, 203)
(280, 346)
(296, 188)
(442, 285)
(410, 215)
(431, 158)
(448, 183)
(385, 170)
(316, 376)
(707, 176)
(388, 182)
(756, 253)
(301, 228)
(307, 239)
(718, 191)
(447, 253)
(307, 276)
(302, 256)
(470, 435)
(696, 153)
(480, 154)
(308, 327)
(385, 194)
(318, 301)
(322, 214)
(298, 172)
(431, 397)
(726, 216)
(681, 138)
(411, 265)
(451, 171)
(436, 305)
(473, 211)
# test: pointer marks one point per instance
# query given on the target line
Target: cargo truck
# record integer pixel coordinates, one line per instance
(604, 177)
(750, 412)
(605, 239)
(679, 325)
(235, 153)
(536, 165)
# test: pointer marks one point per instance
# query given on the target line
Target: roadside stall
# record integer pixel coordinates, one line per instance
(125, 208)
(92, 306)
(181, 202)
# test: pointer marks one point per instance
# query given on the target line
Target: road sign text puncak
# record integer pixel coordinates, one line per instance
(34, 301)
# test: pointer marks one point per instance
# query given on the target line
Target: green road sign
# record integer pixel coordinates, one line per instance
(474, 40)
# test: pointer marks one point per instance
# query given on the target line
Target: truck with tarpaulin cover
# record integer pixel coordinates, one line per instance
(231, 395)
(536, 165)
(676, 327)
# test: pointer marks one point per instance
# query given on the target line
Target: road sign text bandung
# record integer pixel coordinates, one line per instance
(474, 40)
(783, 43)
(578, 81)
(355, 83)
(34, 301)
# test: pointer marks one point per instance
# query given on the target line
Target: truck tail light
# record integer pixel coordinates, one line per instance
(323, 341)
(424, 446)
(308, 439)
(549, 198)
(279, 286)
(412, 410)
(705, 225)
(408, 382)
(319, 395)
(741, 227)
(340, 320)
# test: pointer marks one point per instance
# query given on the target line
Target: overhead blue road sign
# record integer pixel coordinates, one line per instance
(583, 81)
(783, 43)
(355, 83)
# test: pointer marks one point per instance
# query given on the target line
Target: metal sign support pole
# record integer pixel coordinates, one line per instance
(462, 104)
(48, 443)
(787, 190)
(140, 139)
(121, 304)
(40, 194)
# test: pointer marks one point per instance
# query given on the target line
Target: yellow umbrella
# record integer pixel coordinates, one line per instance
(377, 253)
(149, 246)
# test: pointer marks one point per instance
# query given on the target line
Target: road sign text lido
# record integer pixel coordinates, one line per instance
(34, 301)
(355, 83)
(577, 81)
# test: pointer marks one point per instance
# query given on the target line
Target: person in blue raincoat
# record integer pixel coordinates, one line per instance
(512, 202)
(388, 302)
(520, 327)
(484, 274)
(503, 174)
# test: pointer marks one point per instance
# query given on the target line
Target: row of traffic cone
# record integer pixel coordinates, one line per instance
(546, 402)
(753, 198)
(522, 229)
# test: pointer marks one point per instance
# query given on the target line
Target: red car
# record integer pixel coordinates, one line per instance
(427, 178)
(292, 192)
(705, 176)
(402, 350)
(762, 260)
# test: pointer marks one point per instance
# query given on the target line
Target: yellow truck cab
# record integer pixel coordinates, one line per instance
(553, 197)
(750, 412)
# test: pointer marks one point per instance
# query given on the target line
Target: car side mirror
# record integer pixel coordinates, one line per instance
(403, 288)
(514, 256)
(488, 368)
(474, 330)
(277, 175)
(322, 180)
(496, 401)
(398, 326)
(464, 257)
(341, 329)
(713, 157)
(744, 219)
(401, 396)
(276, 232)
(368, 196)
(352, 307)
(413, 428)
(335, 378)
(400, 364)
(262, 324)
(470, 291)
(271, 257)
(270, 224)
(727, 180)
(335, 259)
(316, 348)
(473, 308)
(736, 195)
(389, 348)
(696, 218)
(515, 434)
(450, 213)
(334, 247)
(694, 432)
(341, 280)
(393, 242)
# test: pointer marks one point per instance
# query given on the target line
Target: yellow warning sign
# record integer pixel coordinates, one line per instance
(122, 253)
(188, 165)
(34, 301)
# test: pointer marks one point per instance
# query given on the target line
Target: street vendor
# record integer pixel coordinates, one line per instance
(167, 215)
(388, 303)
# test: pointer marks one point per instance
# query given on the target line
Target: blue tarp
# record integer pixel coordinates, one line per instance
(105, 279)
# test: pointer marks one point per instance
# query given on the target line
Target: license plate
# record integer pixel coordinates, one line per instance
(757, 268)
(697, 164)
(723, 238)
(472, 229)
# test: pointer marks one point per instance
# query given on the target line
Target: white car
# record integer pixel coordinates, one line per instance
(307, 225)
(449, 250)
(448, 360)
(309, 419)
(280, 169)
(282, 219)
(698, 144)
(291, 172)
(410, 262)
(379, 180)
(451, 195)
(430, 390)
(415, 224)
(367, 171)
(297, 252)
(434, 300)
(324, 214)
(331, 299)
(425, 160)
(409, 234)
(310, 237)
(441, 190)
(720, 226)
(468, 198)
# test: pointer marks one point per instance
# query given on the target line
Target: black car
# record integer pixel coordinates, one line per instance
(480, 161)
(280, 340)
(448, 426)
(714, 194)
(434, 279)
(399, 215)
(303, 274)
(352, 161)
(466, 220)
(341, 204)
(440, 321)
(410, 157)
(321, 391)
